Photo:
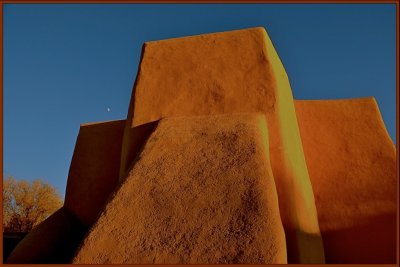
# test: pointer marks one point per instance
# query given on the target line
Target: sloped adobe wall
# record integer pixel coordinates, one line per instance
(202, 191)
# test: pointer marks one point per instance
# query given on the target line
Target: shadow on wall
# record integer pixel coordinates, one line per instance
(134, 140)
(10, 241)
(381, 230)
(53, 241)
(297, 243)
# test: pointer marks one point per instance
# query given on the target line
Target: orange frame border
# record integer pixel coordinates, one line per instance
(2, 2)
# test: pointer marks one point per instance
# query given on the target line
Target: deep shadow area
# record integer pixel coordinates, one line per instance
(10, 241)
(304, 247)
(133, 141)
(53, 241)
(370, 242)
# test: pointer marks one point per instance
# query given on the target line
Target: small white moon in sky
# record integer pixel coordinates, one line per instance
(108, 109)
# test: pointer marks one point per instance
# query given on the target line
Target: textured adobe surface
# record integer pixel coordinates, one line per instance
(352, 165)
(53, 241)
(202, 191)
(204, 74)
(231, 72)
(94, 169)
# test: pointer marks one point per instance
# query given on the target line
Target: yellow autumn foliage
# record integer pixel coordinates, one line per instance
(26, 204)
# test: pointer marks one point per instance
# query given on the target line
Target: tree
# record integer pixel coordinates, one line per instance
(25, 204)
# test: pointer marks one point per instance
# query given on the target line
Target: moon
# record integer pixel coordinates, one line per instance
(108, 109)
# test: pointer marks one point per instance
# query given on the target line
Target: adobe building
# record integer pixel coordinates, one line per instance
(217, 163)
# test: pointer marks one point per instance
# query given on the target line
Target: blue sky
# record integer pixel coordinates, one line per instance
(66, 64)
